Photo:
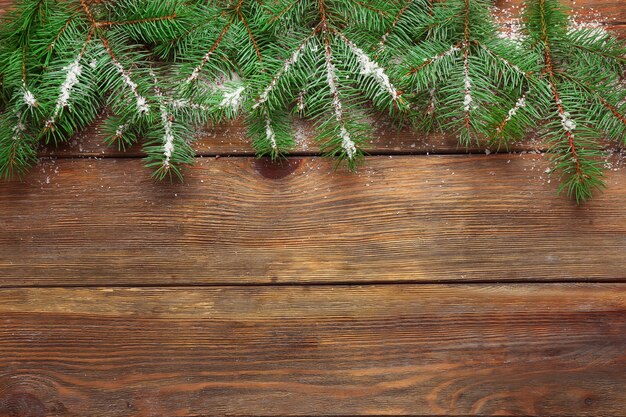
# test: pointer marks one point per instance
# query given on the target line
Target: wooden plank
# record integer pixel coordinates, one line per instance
(620, 30)
(232, 139)
(403, 350)
(606, 11)
(611, 10)
(241, 220)
(4, 5)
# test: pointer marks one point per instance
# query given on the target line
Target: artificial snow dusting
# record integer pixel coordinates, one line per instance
(467, 81)
(233, 99)
(347, 143)
(18, 129)
(269, 132)
(371, 68)
(566, 121)
(292, 60)
(29, 99)
(521, 103)
(119, 132)
(453, 49)
(168, 131)
(301, 102)
(331, 78)
(168, 137)
(74, 70)
(142, 105)
(511, 26)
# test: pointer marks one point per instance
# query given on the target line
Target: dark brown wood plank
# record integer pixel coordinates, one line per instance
(605, 11)
(611, 10)
(620, 30)
(241, 220)
(402, 350)
(232, 139)
(4, 5)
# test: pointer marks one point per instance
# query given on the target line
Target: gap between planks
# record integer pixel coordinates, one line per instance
(335, 284)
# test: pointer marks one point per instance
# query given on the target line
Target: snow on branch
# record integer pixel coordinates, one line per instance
(269, 132)
(519, 104)
(29, 98)
(289, 62)
(568, 124)
(196, 72)
(74, 71)
(142, 105)
(186, 104)
(467, 81)
(233, 99)
(18, 129)
(370, 67)
(427, 61)
(331, 78)
(168, 128)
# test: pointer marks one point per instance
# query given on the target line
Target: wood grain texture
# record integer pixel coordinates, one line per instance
(232, 139)
(4, 5)
(128, 348)
(241, 220)
(606, 11)
(404, 350)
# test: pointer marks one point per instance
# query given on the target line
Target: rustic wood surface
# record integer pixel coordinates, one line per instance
(332, 350)
(231, 139)
(421, 285)
(243, 220)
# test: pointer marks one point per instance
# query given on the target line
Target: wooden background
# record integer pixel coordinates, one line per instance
(432, 282)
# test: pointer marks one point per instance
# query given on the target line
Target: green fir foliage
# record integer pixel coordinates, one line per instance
(163, 68)
(583, 99)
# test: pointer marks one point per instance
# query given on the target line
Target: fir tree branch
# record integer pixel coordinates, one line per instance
(196, 72)
(61, 32)
(373, 9)
(142, 104)
(270, 134)
(505, 61)
(568, 125)
(467, 83)
(74, 71)
(519, 104)
(284, 11)
(17, 150)
(394, 23)
(369, 67)
(347, 143)
(250, 34)
(593, 93)
(580, 182)
(235, 15)
(287, 65)
(449, 52)
(440, 63)
(137, 21)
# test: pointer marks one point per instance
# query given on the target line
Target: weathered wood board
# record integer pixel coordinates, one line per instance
(329, 350)
(243, 220)
(421, 285)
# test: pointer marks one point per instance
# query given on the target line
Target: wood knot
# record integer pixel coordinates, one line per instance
(22, 404)
(276, 170)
